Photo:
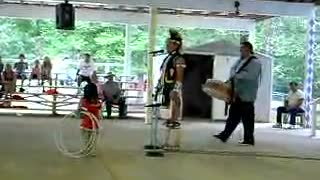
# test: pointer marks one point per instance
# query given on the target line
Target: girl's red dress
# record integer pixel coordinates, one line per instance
(93, 108)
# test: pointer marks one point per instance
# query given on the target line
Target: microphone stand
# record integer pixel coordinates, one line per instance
(157, 54)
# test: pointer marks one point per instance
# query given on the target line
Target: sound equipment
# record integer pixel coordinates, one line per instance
(65, 16)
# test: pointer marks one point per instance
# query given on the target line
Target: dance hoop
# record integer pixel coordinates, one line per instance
(75, 119)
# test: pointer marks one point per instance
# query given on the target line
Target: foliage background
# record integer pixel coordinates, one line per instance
(282, 38)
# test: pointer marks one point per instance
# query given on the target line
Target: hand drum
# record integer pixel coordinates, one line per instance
(218, 89)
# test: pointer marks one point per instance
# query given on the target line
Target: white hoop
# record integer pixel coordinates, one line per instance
(82, 152)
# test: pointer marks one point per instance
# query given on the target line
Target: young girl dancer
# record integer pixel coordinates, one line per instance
(89, 129)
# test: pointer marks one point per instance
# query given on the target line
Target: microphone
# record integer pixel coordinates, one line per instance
(157, 52)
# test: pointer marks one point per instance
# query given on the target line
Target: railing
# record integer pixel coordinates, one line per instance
(278, 95)
(67, 101)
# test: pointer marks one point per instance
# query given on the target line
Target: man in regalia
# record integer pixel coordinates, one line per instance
(172, 74)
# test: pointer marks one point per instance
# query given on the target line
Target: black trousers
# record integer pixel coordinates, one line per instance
(240, 111)
(292, 111)
(82, 78)
(121, 104)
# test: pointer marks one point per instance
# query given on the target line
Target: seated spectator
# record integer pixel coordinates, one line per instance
(20, 68)
(1, 70)
(95, 80)
(9, 80)
(112, 95)
(86, 69)
(1, 65)
(46, 69)
(293, 105)
(36, 72)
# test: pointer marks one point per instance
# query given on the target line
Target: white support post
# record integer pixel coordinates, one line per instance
(152, 43)
(310, 59)
(314, 120)
(127, 51)
(315, 104)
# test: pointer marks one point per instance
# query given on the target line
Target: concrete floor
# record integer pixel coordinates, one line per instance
(27, 152)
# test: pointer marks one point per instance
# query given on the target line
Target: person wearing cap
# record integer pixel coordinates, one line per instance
(171, 78)
(86, 69)
(245, 76)
(112, 95)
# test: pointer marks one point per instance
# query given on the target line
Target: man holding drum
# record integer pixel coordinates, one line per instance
(245, 79)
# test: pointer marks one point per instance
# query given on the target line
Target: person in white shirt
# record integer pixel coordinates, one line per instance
(293, 105)
(86, 69)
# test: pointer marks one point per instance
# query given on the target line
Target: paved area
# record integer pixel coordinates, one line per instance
(28, 152)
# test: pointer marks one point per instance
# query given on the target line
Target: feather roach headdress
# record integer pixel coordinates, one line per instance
(175, 36)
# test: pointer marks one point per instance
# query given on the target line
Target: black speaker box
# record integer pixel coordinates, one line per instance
(65, 16)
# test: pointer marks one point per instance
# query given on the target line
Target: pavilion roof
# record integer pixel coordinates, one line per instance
(210, 14)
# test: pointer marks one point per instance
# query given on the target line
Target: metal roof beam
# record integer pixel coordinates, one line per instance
(104, 15)
(262, 7)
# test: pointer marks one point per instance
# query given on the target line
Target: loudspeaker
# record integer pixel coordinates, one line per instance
(65, 16)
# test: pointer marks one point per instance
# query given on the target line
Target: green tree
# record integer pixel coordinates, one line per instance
(286, 38)
(283, 38)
